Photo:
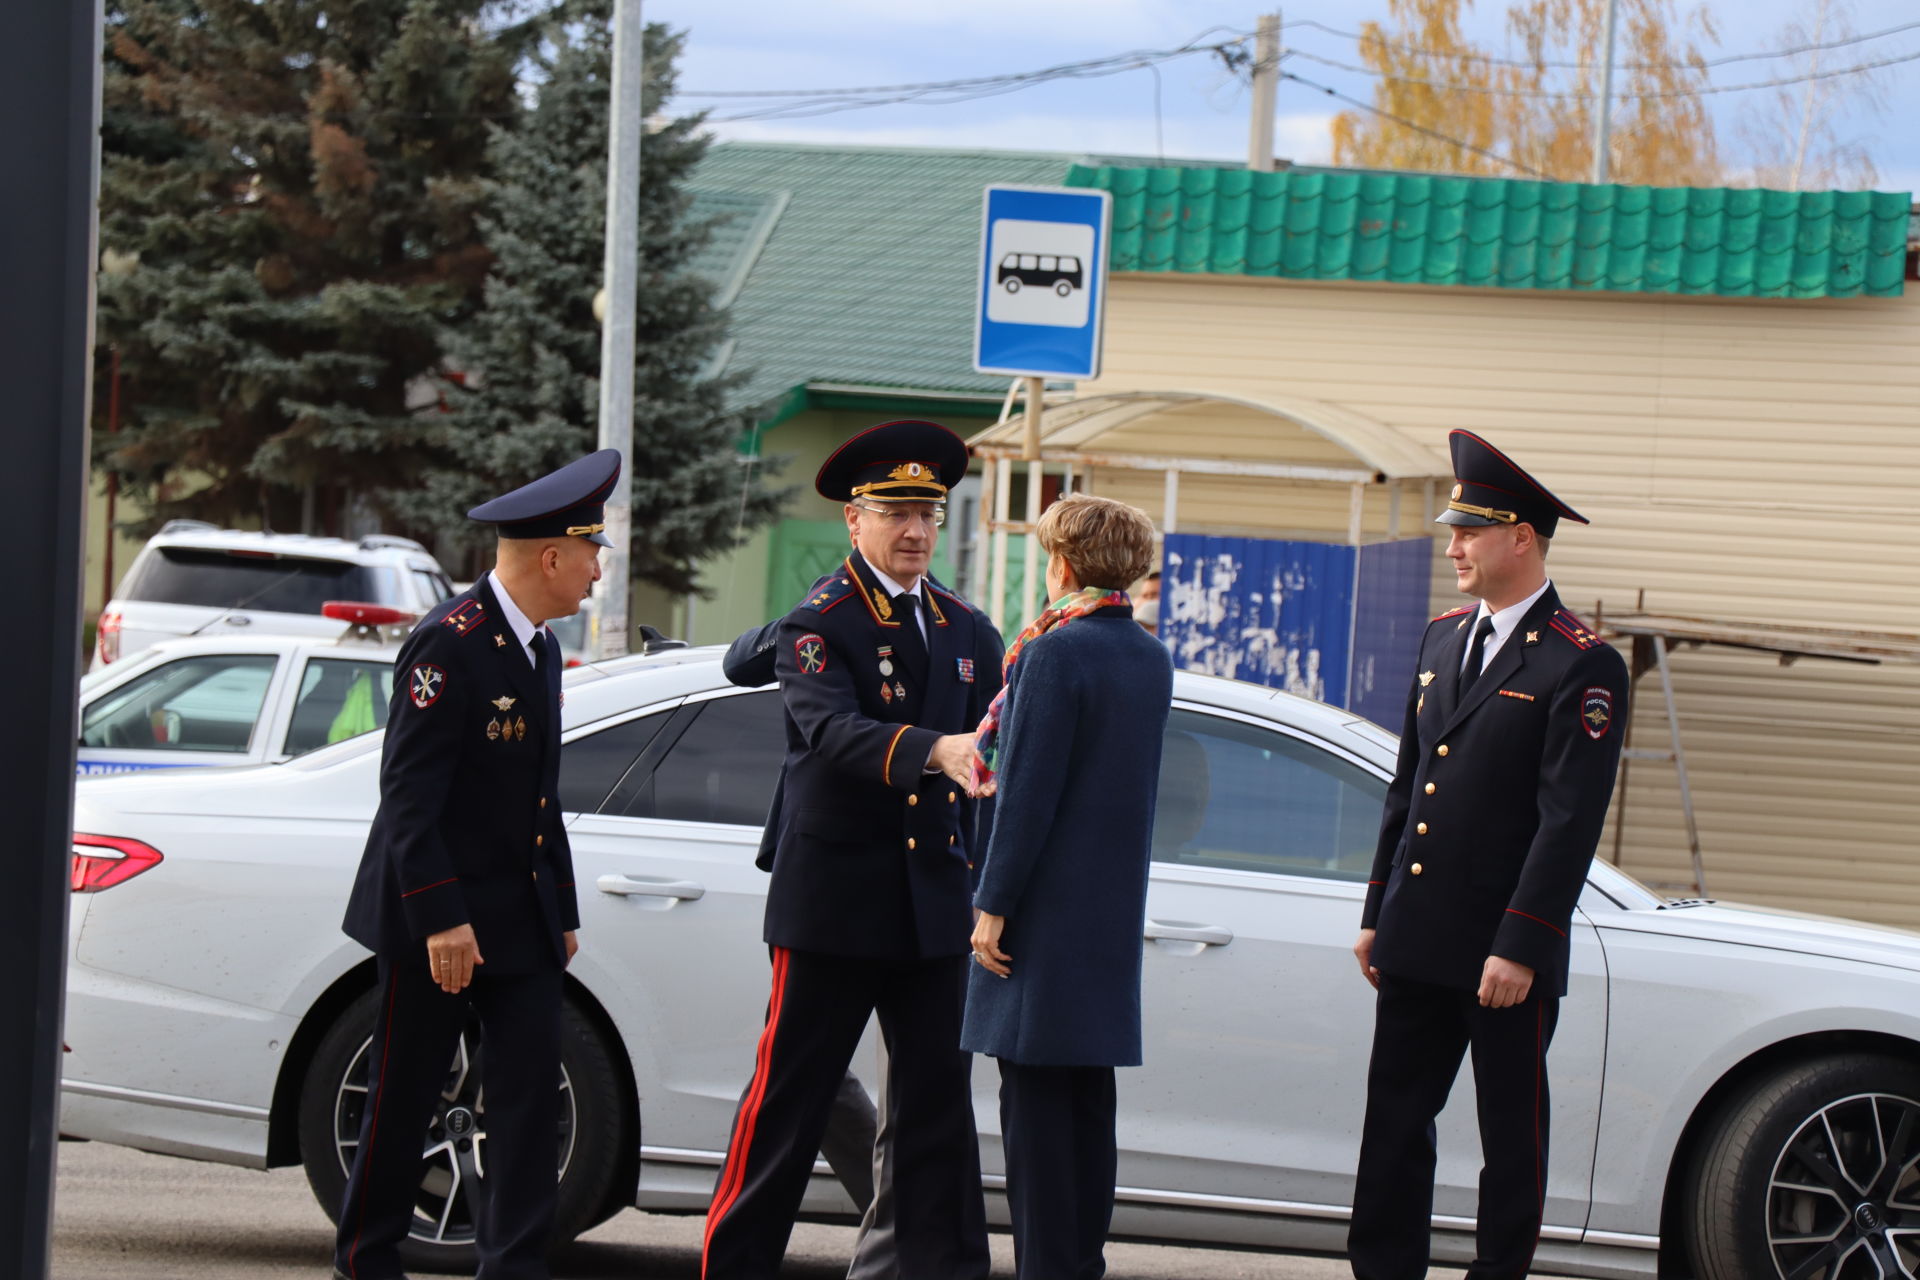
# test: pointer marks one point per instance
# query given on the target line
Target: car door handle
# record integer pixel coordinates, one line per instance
(1209, 935)
(644, 887)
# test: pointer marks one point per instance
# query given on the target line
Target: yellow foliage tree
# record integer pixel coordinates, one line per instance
(1533, 106)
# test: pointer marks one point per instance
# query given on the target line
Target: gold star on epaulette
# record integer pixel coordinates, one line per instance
(499, 641)
(1533, 637)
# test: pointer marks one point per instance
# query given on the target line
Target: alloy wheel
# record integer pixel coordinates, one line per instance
(453, 1156)
(1843, 1201)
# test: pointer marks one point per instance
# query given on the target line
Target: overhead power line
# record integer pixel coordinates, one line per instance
(1760, 55)
(1402, 121)
(1700, 91)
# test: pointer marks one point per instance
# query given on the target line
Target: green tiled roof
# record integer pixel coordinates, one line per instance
(855, 265)
(1418, 229)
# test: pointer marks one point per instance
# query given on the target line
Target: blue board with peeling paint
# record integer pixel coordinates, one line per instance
(1340, 624)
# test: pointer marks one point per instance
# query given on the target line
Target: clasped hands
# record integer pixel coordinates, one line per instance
(952, 755)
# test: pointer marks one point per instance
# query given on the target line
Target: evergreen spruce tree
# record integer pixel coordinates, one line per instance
(297, 181)
(527, 398)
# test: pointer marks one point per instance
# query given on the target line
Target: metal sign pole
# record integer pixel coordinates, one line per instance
(49, 71)
(624, 127)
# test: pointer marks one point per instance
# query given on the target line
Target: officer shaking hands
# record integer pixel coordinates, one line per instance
(1506, 768)
(883, 676)
(465, 890)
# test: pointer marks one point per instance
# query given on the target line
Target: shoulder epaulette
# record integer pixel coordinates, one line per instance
(829, 592)
(465, 617)
(1576, 632)
(1454, 613)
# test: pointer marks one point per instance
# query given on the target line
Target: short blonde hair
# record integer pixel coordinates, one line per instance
(1108, 544)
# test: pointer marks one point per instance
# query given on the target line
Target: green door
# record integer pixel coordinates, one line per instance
(805, 550)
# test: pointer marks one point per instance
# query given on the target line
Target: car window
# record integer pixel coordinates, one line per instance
(339, 698)
(1246, 798)
(273, 584)
(432, 585)
(209, 702)
(592, 764)
(722, 767)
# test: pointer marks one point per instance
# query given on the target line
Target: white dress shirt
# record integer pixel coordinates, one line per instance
(1505, 623)
(518, 622)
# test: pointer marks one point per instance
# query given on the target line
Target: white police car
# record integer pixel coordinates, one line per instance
(232, 699)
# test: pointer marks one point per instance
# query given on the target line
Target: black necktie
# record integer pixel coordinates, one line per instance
(1475, 654)
(913, 643)
(539, 646)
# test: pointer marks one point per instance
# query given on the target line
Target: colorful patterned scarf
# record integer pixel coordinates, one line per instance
(986, 748)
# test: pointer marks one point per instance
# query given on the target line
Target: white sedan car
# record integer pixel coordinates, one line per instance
(1736, 1091)
(239, 698)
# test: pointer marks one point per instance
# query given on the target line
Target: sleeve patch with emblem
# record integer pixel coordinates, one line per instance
(1596, 711)
(425, 684)
(811, 652)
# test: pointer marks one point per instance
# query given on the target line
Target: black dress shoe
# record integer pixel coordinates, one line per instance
(338, 1274)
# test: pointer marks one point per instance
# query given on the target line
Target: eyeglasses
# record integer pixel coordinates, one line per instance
(897, 518)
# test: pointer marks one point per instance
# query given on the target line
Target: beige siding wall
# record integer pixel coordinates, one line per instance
(1740, 460)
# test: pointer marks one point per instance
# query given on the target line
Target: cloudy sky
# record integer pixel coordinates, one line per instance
(1201, 109)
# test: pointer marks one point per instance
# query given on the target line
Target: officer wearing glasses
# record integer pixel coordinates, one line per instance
(884, 676)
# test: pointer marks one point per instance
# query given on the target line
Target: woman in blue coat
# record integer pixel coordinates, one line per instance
(1072, 749)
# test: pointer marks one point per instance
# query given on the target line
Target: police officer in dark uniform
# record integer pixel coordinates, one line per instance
(884, 676)
(465, 891)
(1506, 768)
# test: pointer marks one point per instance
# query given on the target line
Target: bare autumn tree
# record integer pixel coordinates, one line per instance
(1793, 132)
(1532, 103)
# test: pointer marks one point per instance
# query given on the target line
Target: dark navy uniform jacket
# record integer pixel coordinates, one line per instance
(1497, 801)
(869, 852)
(469, 829)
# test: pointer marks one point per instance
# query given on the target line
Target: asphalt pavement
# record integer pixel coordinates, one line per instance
(125, 1215)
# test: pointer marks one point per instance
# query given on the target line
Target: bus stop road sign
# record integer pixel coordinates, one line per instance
(1043, 281)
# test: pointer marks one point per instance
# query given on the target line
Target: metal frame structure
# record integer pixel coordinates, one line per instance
(1654, 636)
(1065, 434)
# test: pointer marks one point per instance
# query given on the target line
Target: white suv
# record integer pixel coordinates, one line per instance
(195, 579)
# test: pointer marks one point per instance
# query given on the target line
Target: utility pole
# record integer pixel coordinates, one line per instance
(1603, 117)
(49, 72)
(624, 127)
(1266, 79)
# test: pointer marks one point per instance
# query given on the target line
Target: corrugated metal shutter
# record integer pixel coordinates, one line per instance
(1755, 460)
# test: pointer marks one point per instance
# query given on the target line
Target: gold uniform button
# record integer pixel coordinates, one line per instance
(543, 802)
(950, 840)
(538, 841)
(1422, 828)
(1441, 749)
(910, 842)
(536, 877)
(1415, 868)
(1429, 788)
(913, 799)
(951, 797)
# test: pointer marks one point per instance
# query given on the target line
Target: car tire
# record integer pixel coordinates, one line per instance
(1798, 1170)
(594, 1132)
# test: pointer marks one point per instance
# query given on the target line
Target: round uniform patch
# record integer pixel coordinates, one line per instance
(425, 684)
(811, 652)
(1596, 711)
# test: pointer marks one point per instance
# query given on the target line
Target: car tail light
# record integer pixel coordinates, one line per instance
(101, 862)
(366, 615)
(108, 638)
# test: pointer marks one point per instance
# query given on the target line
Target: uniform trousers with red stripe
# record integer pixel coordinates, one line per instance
(408, 1062)
(815, 1017)
(1420, 1033)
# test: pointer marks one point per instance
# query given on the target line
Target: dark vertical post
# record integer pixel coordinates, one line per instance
(50, 91)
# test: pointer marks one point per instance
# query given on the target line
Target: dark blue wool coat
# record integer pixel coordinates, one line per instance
(1067, 861)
